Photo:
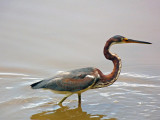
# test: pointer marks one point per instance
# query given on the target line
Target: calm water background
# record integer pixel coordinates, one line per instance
(39, 38)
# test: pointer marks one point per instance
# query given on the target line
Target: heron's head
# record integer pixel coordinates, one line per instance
(118, 39)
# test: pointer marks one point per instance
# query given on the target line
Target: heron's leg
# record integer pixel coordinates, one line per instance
(64, 98)
(79, 99)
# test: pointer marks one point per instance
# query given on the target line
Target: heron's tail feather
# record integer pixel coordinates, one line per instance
(37, 85)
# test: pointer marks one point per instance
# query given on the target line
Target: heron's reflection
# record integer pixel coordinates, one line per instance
(66, 113)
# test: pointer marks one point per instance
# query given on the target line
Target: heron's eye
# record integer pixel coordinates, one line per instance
(126, 39)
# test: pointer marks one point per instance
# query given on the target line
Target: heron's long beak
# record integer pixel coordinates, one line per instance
(135, 41)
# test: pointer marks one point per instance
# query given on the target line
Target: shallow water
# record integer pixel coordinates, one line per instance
(131, 97)
(38, 39)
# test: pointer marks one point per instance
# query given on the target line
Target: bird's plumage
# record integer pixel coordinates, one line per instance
(71, 81)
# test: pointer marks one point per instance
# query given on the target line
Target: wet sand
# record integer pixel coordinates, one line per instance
(38, 39)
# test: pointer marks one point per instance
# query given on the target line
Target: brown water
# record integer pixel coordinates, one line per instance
(40, 38)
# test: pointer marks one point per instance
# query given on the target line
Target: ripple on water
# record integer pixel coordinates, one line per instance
(32, 105)
(8, 88)
(12, 74)
(139, 75)
(94, 104)
(110, 94)
(125, 84)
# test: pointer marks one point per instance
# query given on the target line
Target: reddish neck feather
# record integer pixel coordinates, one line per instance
(116, 62)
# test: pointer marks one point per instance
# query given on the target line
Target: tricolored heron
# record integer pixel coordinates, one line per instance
(80, 80)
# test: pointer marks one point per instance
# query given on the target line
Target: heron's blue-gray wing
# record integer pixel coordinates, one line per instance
(71, 81)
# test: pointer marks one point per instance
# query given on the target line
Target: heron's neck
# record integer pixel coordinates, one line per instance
(113, 76)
